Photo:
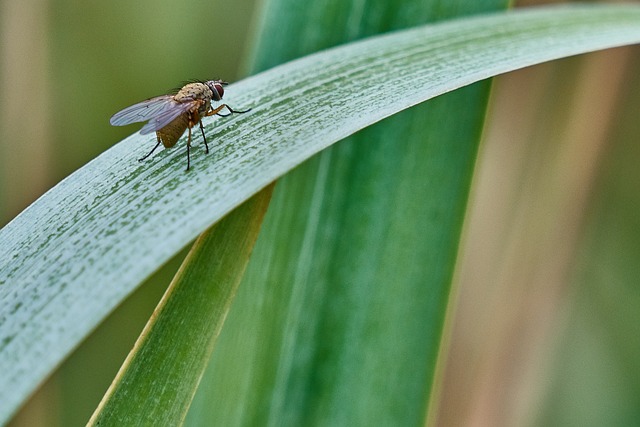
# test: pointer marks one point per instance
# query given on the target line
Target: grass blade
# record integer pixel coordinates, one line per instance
(162, 371)
(360, 245)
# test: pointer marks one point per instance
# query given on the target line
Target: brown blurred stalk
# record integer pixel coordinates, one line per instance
(543, 143)
(25, 104)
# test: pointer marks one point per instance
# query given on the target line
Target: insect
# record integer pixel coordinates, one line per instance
(170, 115)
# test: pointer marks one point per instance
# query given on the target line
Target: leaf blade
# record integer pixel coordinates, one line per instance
(161, 374)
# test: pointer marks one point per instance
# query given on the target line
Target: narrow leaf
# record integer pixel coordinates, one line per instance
(361, 241)
(161, 374)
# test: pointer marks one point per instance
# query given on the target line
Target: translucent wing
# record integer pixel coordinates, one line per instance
(143, 111)
(166, 116)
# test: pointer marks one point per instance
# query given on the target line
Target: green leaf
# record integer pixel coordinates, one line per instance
(78, 251)
(179, 338)
(351, 278)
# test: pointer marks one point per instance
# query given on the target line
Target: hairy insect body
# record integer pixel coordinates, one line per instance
(170, 115)
(193, 91)
(199, 95)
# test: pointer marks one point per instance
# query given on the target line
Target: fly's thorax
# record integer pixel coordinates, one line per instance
(193, 91)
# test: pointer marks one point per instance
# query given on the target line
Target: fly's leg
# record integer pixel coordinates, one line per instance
(217, 110)
(211, 112)
(204, 137)
(151, 152)
(188, 149)
(232, 111)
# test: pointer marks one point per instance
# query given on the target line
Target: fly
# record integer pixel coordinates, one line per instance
(170, 115)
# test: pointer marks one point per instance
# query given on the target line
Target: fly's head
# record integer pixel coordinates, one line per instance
(217, 89)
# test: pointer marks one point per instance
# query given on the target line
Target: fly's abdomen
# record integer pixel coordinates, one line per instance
(170, 134)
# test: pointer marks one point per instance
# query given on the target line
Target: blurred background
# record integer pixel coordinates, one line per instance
(546, 325)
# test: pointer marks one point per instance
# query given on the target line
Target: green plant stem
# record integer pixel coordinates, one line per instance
(161, 374)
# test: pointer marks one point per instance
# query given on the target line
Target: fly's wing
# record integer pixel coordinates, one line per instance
(142, 111)
(167, 115)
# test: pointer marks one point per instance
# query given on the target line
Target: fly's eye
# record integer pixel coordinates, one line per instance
(218, 91)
